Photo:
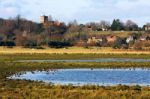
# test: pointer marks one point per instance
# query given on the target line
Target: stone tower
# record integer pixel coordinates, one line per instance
(43, 19)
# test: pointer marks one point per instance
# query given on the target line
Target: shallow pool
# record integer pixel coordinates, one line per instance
(106, 77)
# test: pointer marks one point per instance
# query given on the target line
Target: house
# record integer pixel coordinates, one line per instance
(111, 38)
(24, 34)
(104, 28)
(147, 27)
(94, 40)
(130, 39)
(57, 23)
(144, 38)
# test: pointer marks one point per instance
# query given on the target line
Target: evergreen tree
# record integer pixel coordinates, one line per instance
(117, 25)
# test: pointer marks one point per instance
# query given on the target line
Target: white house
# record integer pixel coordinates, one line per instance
(129, 39)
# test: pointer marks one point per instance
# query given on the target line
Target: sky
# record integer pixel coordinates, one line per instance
(81, 10)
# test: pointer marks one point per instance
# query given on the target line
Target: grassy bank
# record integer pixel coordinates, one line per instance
(44, 56)
(28, 89)
(70, 50)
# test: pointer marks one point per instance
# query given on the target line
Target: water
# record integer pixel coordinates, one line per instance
(106, 77)
(92, 60)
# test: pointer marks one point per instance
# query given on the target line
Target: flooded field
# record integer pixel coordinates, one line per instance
(106, 77)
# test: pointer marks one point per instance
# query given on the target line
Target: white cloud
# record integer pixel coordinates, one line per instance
(57, 8)
(82, 10)
(136, 10)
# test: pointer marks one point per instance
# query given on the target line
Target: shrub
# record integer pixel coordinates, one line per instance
(59, 44)
(7, 43)
(80, 44)
(138, 45)
(119, 42)
(131, 43)
(39, 47)
(146, 43)
(30, 44)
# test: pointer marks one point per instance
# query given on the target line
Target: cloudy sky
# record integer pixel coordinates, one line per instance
(81, 10)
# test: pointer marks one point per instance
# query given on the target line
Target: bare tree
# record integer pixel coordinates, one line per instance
(131, 26)
(104, 25)
(50, 18)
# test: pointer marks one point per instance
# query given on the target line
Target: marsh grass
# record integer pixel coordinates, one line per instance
(41, 56)
(25, 89)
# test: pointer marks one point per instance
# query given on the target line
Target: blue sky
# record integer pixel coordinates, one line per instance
(81, 10)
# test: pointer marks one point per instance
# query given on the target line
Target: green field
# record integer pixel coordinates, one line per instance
(13, 89)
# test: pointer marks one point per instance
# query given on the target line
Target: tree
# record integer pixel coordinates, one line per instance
(50, 18)
(73, 27)
(94, 26)
(131, 26)
(104, 25)
(119, 42)
(30, 44)
(117, 25)
(17, 21)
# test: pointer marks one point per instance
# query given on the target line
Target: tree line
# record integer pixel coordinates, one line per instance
(22, 32)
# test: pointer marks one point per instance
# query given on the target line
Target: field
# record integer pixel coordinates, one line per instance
(13, 89)
(70, 50)
(100, 33)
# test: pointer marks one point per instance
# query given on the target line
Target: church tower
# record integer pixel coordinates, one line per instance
(43, 19)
